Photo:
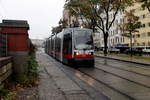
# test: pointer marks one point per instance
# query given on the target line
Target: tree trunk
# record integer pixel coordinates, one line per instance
(105, 43)
(93, 25)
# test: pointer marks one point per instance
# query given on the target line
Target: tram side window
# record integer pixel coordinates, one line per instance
(59, 44)
(52, 44)
(56, 44)
(67, 44)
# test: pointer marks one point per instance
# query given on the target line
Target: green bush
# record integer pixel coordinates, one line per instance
(3, 92)
(7, 95)
(32, 67)
(31, 75)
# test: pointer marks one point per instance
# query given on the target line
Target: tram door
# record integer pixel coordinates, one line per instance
(67, 46)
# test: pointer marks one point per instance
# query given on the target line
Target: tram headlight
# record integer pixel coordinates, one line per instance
(91, 53)
(76, 53)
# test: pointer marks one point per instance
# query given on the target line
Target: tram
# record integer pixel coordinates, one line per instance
(72, 46)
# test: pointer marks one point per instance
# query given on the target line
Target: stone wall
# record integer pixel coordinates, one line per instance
(20, 62)
(5, 69)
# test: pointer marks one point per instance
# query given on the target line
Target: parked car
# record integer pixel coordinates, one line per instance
(146, 50)
(113, 50)
(135, 51)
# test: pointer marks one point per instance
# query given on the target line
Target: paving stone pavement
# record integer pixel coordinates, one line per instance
(28, 94)
(55, 85)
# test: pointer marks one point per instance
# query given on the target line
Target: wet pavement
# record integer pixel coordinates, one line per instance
(129, 59)
(55, 85)
(28, 94)
(109, 80)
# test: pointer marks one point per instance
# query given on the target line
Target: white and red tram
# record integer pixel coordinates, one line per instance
(73, 46)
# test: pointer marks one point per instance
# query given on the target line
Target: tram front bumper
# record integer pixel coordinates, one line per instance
(83, 61)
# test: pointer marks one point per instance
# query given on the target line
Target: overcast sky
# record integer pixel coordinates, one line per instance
(41, 14)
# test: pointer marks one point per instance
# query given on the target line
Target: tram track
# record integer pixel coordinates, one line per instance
(140, 66)
(111, 66)
(130, 60)
(85, 74)
(126, 68)
(130, 97)
(69, 74)
(124, 92)
(140, 79)
(145, 67)
(142, 84)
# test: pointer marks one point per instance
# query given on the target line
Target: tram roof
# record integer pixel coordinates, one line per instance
(77, 28)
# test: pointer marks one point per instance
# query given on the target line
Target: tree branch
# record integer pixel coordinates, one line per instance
(107, 15)
(148, 8)
(114, 16)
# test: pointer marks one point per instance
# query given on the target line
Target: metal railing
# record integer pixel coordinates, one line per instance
(3, 45)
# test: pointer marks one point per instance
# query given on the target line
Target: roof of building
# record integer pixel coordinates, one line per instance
(15, 23)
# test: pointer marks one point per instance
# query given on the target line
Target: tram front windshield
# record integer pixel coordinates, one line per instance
(83, 40)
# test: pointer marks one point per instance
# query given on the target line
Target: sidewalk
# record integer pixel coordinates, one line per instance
(132, 60)
(54, 84)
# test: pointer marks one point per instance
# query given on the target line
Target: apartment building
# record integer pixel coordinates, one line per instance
(115, 35)
(141, 38)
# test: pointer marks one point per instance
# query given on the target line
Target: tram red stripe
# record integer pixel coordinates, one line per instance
(75, 56)
(67, 55)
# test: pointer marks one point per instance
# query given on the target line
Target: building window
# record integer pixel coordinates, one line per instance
(143, 16)
(148, 34)
(142, 25)
(143, 35)
(149, 24)
(116, 22)
(122, 39)
(148, 43)
(148, 15)
(143, 43)
(113, 32)
(138, 35)
(116, 31)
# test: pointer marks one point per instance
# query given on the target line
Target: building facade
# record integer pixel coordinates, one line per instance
(115, 34)
(142, 37)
